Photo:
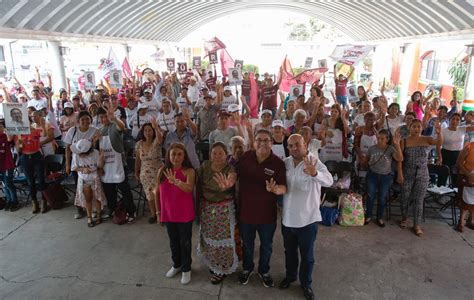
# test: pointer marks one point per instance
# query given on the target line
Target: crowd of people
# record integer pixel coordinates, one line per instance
(198, 155)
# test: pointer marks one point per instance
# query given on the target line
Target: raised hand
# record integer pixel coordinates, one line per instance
(437, 127)
(310, 166)
(223, 181)
(171, 176)
(271, 186)
(396, 137)
(236, 117)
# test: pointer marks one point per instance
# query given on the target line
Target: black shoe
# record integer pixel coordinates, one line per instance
(367, 221)
(151, 220)
(308, 293)
(7, 206)
(381, 223)
(14, 207)
(244, 277)
(267, 280)
(285, 283)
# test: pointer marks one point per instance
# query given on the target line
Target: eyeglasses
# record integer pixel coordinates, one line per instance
(265, 141)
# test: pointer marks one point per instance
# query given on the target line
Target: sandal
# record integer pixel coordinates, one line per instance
(367, 221)
(90, 223)
(418, 231)
(217, 279)
(381, 223)
(403, 224)
(98, 221)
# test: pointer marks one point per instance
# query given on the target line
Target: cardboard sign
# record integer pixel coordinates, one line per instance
(239, 64)
(308, 62)
(170, 64)
(182, 68)
(16, 118)
(115, 79)
(213, 57)
(89, 78)
(322, 63)
(235, 76)
(197, 62)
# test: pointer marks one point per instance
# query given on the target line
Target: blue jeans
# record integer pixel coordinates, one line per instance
(302, 238)
(265, 233)
(342, 100)
(10, 190)
(33, 167)
(247, 100)
(379, 182)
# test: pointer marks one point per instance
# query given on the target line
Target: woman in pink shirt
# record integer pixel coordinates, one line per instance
(175, 207)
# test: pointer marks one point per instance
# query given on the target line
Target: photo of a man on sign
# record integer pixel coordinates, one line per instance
(239, 64)
(16, 118)
(235, 77)
(90, 80)
(116, 79)
(295, 90)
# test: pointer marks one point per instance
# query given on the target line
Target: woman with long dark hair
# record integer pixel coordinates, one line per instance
(148, 162)
(175, 207)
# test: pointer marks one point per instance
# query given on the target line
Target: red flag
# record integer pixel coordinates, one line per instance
(126, 70)
(253, 96)
(226, 62)
(310, 75)
(287, 73)
(213, 44)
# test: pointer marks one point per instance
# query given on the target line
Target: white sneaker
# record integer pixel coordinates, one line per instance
(186, 277)
(172, 272)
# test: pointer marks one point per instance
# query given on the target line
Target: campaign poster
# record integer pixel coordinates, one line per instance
(196, 62)
(182, 68)
(308, 62)
(239, 64)
(116, 79)
(352, 93)
(322, 63)
(89, 80)
(235, 76)
(296, 90)
(170, 64)
(213, 57)
(16, 118)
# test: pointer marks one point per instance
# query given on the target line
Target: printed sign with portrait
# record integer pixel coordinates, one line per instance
(308, 62)
(296, 90)
(322, 63)
(116, 79)
(89, 78)
(235, 76)
(16, 118)
(239, 64)
(352, 93)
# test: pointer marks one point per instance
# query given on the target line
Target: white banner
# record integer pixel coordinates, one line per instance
(350, 54)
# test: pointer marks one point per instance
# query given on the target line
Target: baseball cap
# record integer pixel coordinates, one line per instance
(81, 146)
(233, 108)
(68, 105)
(223, 113)
(21, 95)
(148, 91)
(277, 123)
(267, 111)
(227, 88)
(99, 88)
(41, 106)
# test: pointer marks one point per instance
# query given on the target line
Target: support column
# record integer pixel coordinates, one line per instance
(127, 49)
(57, 65)
(468, 103)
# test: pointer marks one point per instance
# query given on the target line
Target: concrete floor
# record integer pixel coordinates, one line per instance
(53, 256)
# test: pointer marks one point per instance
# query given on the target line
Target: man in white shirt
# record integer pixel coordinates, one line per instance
(153, 105)
(305, 175)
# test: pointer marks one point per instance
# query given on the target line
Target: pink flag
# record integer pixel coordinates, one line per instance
(226, 62)
(310, 75)
(287, 74)
(253, 96)
(126, 70)
(213, 44)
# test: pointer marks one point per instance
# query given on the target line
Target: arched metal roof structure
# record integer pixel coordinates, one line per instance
(166, 20)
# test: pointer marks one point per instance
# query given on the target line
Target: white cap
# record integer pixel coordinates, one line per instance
(193, 78)
(68, 105)
(277, 123)
(81, 146)
(233, 108)
(142, 105)
(41, 106)
(21, 95)
(227, 88)
(267, 111)
(148, 91)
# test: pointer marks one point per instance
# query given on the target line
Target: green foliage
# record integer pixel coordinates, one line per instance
(458, 72)
(298, 70)
(249, 68)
